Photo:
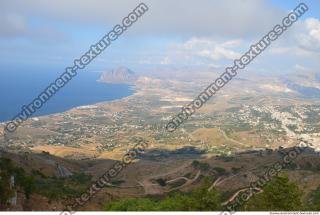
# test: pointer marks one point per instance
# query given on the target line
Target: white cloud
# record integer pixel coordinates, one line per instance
(302, 40)
(166, 61)
(201, 51)
(300, 67)
(289, 50)
(211, 49)
(309, 39)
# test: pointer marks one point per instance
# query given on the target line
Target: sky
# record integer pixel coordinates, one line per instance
(44, 34)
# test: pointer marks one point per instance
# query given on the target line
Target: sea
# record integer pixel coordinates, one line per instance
(20, 87)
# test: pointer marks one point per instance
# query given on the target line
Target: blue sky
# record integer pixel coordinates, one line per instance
(209, 33)
(314, 6)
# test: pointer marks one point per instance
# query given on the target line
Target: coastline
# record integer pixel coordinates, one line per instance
(131, 87)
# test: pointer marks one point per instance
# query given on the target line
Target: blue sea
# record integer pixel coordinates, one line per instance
(18, 88)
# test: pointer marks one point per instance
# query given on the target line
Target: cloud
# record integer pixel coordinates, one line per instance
(299, 67)
(16, 26)
(289, 50)
(201, 51)
(182, 32)
(212, 49)
(166, 61)
(302, 40)
(196, 18)
(309, 39)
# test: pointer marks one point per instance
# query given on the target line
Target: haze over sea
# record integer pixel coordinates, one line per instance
(19, 87)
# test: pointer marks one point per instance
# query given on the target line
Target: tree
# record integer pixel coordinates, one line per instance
(314, 200)
(132, 205)
(200, 199)
(5, 192)
(6, 168)
(177, 202)
(278, 195)
(204, 200)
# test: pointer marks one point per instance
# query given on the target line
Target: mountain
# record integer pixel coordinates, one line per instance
(119, 75)
(305, 91)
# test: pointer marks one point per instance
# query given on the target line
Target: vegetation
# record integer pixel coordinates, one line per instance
(310, 166)
(235, 170)
(37, 182)
(200, 199)
(314, 200)
(161, 182)
(220, 171)
(62, 188)
(278, 195)
(7, 170)
(5, 190)
(200, 165)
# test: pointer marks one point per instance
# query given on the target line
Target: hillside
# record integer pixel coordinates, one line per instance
(153, 175)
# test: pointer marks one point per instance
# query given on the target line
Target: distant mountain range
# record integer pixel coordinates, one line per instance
(119, 75)
(305, 91)
(307, 84)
